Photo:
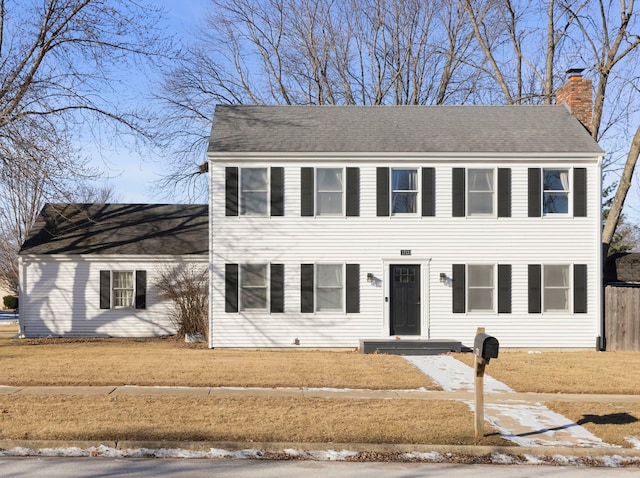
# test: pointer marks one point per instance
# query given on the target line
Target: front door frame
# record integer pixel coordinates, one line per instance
(424, 264)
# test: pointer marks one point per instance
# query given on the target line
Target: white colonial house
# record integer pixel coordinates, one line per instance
(333, 224)
(88, 270)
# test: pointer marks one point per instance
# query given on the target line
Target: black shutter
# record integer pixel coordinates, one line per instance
(141, 289)
(535, 192)
(353, 192)
(580, 288)
(277, 191)
(277, 288)
(504, 192)
(105, 289)
(504, 288)
(231, 191)
(457, 189)
(306, 288)
(382, 191)
(428, 191)
(307, 191)
(535, 288)
(231, 287)
(353, 288)
(580, 192)
(459, 289)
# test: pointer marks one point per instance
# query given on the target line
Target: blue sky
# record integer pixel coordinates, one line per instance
(131, 174)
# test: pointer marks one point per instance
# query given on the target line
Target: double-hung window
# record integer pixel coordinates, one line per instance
(557, 192)
(254, 191)
(253, 287)
(480, 192)
(404, 191)
(555, 187)
(329, 287)
(329, 190)
(123, 288)
(556, 288)
(480, 288)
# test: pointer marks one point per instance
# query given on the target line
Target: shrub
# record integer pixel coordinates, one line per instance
(10, 302)
(187, 287)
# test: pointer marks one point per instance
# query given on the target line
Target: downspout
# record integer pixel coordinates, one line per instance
(601, 343)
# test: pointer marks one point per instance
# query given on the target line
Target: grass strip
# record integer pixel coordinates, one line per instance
(94, 362)
(115, 418)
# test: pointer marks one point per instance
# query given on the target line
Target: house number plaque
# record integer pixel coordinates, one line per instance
(405, 252)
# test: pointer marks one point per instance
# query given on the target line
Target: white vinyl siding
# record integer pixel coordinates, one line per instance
(436, 243)
(60, 296)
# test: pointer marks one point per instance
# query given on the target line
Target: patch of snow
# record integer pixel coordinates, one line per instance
(430, 456)
(533, 460)
(522, 422)
(502, 459)
(453, 375)
(634, 441)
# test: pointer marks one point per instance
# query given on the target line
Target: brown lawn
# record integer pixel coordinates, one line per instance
(171, 362)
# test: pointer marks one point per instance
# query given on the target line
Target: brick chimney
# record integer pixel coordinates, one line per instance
(577, 93)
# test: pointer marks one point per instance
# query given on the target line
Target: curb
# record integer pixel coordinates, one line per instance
(44, 447)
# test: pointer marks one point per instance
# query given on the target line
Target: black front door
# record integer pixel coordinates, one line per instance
(405, 299)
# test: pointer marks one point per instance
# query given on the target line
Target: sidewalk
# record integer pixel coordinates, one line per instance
(316, 393)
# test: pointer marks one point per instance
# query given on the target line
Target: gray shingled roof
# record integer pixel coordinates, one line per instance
(399, 129)
(148, 229)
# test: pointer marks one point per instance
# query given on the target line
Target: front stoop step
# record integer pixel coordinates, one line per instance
(409, 347)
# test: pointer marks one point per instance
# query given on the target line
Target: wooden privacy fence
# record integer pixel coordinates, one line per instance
(622, 317)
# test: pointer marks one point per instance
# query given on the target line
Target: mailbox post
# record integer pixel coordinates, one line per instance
(485, 347)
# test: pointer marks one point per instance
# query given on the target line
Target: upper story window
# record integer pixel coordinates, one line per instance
(254, 190)
(404, 191)
(329, 192)
(480, 192)
(557, 192)
(555, 195)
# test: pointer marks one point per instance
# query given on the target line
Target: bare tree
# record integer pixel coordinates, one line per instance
(187, 287)
(313, 52)
(62, 63)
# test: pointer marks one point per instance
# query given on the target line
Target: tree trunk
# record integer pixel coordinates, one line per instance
(621, 194)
